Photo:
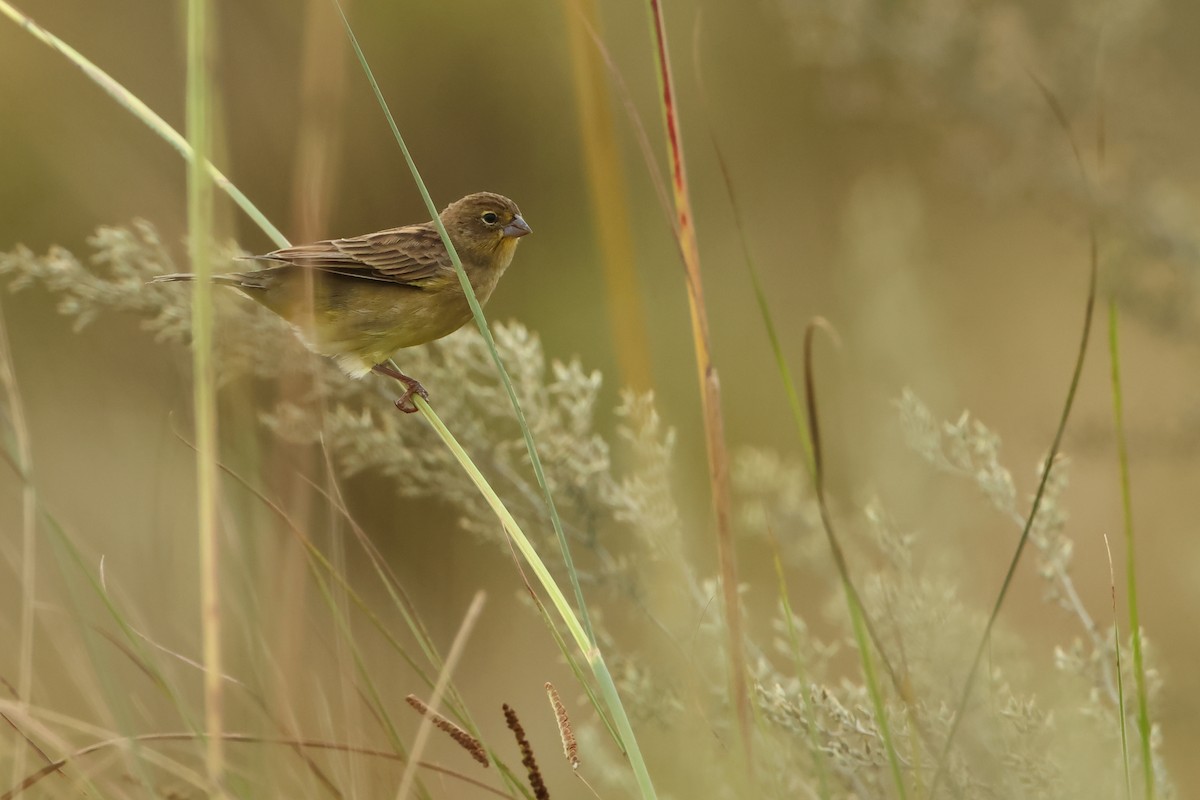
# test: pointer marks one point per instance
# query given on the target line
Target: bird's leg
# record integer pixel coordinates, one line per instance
(411, 386)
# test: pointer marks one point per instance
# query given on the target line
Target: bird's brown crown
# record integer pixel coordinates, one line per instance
(484, 223)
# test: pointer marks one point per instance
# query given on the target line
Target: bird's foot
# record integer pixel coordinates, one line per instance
(405, 401)
(412, 387)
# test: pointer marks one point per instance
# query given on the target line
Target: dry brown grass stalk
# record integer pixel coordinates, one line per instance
(570, 746)
(531, 768)
(710, 386)
(465, 740)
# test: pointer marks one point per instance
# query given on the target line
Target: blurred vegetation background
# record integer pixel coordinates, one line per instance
(898, 173)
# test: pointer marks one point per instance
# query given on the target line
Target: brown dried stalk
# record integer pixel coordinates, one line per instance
(570, 746)
(535, 775)
(465, 740)
(710, 387)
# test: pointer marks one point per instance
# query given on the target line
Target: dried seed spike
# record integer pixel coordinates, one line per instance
(531, 768)
(465, 740)
(570, 747)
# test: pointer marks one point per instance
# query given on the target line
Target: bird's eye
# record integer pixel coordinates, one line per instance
(489, 217)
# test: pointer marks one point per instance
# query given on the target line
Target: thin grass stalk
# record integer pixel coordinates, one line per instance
(1051, 457)
(314, 184)
(200, 227)
(119, 700)
(1114, 352)
(453, 700)
(859, 623)
(563, 648)
(1112, 585)
(317, 558)
(606, 184)
(258, 700)
(234, 738)
(1135, 628)
(710, 387)
(591, 653)
(23, 452)
(452, 658)
(134, 105)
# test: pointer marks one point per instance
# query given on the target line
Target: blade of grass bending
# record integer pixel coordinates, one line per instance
(135, 106)
(591, 653)
(710, 387)
(582, 631)
(200, 224)
(576, 670)
(1048, 464)
(480, 321)
(858, 619)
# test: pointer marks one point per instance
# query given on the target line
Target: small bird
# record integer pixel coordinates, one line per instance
(359, 300)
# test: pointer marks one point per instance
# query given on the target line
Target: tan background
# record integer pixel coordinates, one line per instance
(925, 203)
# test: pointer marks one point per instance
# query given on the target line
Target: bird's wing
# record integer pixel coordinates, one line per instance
(412, 255)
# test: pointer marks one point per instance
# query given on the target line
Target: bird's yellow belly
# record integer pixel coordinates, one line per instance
(360, 335)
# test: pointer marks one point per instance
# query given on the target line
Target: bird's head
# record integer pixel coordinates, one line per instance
(486, 227)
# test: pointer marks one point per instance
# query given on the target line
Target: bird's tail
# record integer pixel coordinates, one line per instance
(240, 280)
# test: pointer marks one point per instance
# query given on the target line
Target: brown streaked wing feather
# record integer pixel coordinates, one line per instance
(410, 254)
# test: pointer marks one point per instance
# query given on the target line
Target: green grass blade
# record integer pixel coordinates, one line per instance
(481, 322)
(1051, 457)
(863, 634)
(1135, 627)
(592, 654)
(1112, 582)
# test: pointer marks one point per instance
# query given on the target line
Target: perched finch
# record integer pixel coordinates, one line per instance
(361, 299)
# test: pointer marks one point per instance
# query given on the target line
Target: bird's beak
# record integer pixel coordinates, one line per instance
(517, 228)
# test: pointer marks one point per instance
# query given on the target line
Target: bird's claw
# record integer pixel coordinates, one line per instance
(405, 401)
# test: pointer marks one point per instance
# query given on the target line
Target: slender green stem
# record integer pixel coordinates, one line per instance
(1051, 457)
(864, 634)
(200, 222)
(592, 654)
(481, 322)
(1112, 582)
(1135, 628)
